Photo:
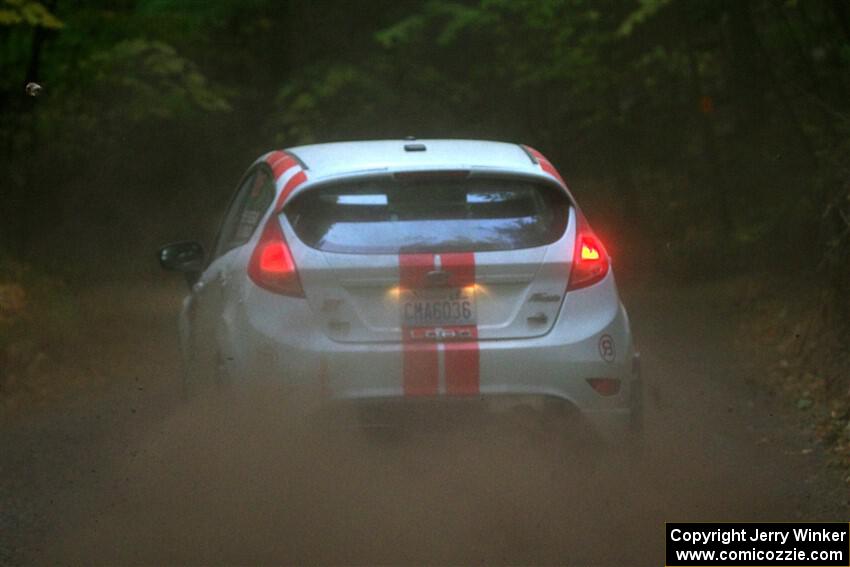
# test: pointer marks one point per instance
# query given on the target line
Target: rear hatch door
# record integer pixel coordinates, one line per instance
(434, 255)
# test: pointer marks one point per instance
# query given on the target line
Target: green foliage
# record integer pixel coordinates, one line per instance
(646, 10)
(326, 103)
(141, 79)
(24, 12)
(455, 17)
(717, 128)
(700, 137)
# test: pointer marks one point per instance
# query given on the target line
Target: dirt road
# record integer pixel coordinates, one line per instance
(130, 475)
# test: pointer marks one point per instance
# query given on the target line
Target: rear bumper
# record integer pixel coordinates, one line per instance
(556, 366)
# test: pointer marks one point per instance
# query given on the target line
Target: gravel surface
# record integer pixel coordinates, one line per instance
(131, 475)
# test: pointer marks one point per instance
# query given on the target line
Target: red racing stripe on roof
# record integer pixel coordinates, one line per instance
(290, 186)
(279, 162)
(282, 165)
(544, 164)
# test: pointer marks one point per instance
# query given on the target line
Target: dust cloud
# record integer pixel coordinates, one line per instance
(251, 474)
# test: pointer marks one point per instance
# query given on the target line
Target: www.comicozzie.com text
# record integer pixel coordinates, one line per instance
(743, 534)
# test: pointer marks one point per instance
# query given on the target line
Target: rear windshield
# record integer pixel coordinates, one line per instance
(388, 216)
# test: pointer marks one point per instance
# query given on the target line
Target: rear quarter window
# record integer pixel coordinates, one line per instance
(251, 202)
(389, 216)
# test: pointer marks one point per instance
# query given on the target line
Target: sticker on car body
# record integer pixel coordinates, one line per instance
(607, 351)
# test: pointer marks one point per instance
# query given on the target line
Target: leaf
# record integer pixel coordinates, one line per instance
(38, 16)
(10, 17)
(645, 11)
(401, 32)
(34, 14)
(143, 78)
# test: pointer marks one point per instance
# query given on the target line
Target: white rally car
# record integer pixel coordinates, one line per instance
(412, 269)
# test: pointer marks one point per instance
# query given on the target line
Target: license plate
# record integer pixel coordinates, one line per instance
(438, 307)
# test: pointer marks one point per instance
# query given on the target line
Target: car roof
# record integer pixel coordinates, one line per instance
(323, 160)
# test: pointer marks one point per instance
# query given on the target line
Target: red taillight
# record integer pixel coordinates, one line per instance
(271, 266)
(590, 261)
(605, 386)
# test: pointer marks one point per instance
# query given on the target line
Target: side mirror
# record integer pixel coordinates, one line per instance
(186, 256)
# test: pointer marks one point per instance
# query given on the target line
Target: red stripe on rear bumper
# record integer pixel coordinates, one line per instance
(420, 365)
(462, 366)
(420, 369)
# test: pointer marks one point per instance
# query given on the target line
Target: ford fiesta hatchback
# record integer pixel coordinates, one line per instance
(411, 269)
